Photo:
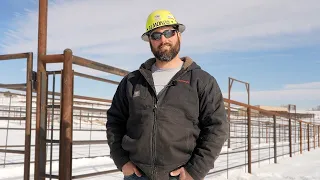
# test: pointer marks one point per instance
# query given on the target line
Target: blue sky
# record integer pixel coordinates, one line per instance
(273, 45)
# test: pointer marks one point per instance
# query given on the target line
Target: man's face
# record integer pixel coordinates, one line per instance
(163, 48)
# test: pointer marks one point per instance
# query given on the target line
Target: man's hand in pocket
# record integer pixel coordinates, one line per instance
(183, 174)
(129, 168)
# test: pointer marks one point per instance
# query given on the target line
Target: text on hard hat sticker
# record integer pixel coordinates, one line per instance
(159, 23)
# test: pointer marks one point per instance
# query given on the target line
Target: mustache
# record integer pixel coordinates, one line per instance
(164, 44)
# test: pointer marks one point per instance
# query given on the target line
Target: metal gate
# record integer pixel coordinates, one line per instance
(28, 86)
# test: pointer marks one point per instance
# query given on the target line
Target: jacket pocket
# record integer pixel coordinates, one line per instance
(138, 98)
(129, 144)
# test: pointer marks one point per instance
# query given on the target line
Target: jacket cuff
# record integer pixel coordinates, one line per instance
(119, 161)
(196, 175)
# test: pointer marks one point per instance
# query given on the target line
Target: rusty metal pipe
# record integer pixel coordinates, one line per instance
(39, 168)
(229, 111)
(75, 96)
(249, 141)
(238, 80)
(12, 118)
(275, 139)
(319, 136)
(11, 151)
(86, 142)
(95, 78)
(308, 136)
(54, 58)
(300, 130)
(251, 107)
(95, 174)
(98, 66)
(290, 138)
(53, 72)
(13, 56)
(28, 117)
(8, 86)
(65, 163)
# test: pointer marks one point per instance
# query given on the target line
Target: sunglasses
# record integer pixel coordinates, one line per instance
(166, 33)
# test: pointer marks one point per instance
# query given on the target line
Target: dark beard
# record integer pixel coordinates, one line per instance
(166, 55)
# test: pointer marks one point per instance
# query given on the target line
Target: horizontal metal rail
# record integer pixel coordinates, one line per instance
(95, 78)
(13, 118)
(14, 56)
(95, 174)
(98, 66)
(12, 151)
(7, 86)
(87, 142)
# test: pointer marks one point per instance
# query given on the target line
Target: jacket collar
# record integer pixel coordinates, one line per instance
(187, 61)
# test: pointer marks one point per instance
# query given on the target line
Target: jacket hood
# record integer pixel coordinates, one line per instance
(188, 64)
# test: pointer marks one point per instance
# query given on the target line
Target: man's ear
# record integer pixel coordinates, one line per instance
(179, 36)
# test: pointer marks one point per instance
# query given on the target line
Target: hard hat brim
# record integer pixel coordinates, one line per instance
(181, 29)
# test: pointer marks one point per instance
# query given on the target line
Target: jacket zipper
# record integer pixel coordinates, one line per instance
(153, 149)
(157, 101)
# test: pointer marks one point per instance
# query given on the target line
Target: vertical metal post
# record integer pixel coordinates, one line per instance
(40, 145)
(80, 117)
(279, 133)
(65, 163)
(290, 139)
(231, 80)
(314, 136)
(319, 136)
(267, 134)
(28, 117)
(300, 123)
(7, 132)
(249, 140)
(229, 110)
(259, 133)
(308, 135)
(275, 138)
(295, 129)
(42, 127)
(52, 119)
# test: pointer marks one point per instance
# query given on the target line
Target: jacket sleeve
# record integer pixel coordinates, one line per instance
(117, 116)
(214, 130)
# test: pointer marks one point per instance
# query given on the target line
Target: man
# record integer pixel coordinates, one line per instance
(167, 119)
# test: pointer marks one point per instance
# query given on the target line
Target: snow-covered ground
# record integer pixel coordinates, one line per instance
(298, 167)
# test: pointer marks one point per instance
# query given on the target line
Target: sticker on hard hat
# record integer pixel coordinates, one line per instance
(170, 17)
(159, 23)
(157, 17)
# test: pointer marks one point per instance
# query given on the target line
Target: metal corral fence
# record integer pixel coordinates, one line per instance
(27, 86)
(75, 127)
(260, 137)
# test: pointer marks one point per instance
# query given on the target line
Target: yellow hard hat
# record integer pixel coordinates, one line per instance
(159, 18)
